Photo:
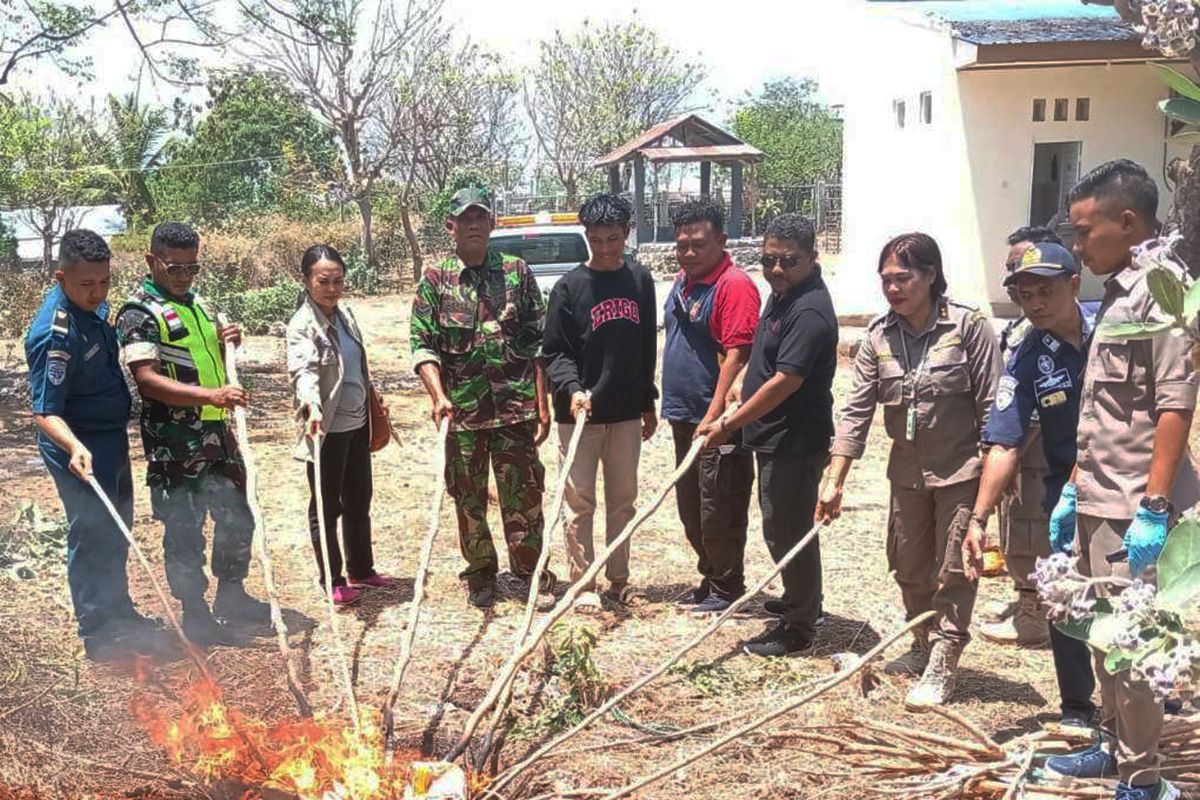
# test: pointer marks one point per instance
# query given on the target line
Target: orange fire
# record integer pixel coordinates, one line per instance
(312, 759)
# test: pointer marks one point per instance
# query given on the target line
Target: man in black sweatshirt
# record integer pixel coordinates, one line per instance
(600, 345)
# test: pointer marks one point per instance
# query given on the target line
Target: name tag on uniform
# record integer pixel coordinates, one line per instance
(1053, 399)
(1058, 380)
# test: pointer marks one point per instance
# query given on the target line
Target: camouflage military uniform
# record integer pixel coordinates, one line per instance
(194, 470)
(483, 327)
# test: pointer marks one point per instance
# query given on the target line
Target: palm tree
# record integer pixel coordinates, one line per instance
(137, 139)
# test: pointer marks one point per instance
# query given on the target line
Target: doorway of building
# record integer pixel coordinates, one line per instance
(1055, 171)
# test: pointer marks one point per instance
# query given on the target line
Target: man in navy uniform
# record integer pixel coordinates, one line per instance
(81, 405)
(1043, 377)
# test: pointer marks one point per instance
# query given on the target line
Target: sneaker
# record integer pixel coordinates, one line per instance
(344, 595)
(913, 662)
(203, 629)
(939, 678)
(587, 603)
(375, 581)
(694, 596)
(1027, 627)
(482, 596)
(1076, 721)
(115, 643)
(133, 620)
(776, 608)
(777, 641)
(709, 606)
(232, 604)
(1162, 790)
(998, 610)
(1091, 764)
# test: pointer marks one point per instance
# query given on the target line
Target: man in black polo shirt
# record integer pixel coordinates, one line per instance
(787, 413)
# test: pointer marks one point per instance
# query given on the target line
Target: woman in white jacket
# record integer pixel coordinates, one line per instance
(327, 364)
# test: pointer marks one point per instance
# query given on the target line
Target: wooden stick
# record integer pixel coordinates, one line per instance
(975, 731)
(641, 682)
(560, 490)
(419, 582)
(509, 670)
(833, 681)
(1019, 778)
(242, 432)
(326, 569)
(172, 782)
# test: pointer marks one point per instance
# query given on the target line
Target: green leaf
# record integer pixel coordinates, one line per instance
(1131, 331)
(1191, 303)
(1178, 81)
(1167, 290)
(1082, 628)
(1117, 661)
(1184, 109)
(1180, 554)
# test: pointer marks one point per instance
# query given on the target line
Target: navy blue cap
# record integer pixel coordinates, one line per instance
(1046, 259)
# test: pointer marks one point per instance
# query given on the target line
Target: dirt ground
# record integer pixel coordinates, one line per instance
(66, 728)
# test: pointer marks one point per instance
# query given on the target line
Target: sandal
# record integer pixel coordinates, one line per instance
(587, 603)
(624, 594)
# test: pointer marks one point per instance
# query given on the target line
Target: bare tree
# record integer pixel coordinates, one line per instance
(55, 30)
(347, 58)
(595, 88)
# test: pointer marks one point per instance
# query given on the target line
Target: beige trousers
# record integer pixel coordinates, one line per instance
(1025, 529)
(927, 566)
(1130, 711)
(616, 448)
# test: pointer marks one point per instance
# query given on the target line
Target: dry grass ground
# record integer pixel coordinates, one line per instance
(66, 728)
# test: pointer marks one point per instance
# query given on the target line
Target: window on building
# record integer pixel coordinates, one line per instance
(1083, 109)
(898, 106)
(1062, 109)
(926, 108)
(1039, 109)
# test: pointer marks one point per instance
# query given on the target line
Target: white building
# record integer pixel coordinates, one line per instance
(975, 117)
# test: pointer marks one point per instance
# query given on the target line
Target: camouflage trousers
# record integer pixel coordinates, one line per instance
(520, 479)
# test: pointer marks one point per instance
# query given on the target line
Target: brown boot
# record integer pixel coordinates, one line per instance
(913, 662)
(1027, 627)
(937, 683)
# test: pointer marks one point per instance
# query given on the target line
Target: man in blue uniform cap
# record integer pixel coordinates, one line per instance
(81, 405)
(1042, 380)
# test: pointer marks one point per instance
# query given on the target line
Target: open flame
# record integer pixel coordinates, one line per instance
(311, 759)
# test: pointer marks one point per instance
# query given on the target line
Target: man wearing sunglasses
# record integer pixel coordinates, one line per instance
(173, 345)
(710, 318)
(786, 419)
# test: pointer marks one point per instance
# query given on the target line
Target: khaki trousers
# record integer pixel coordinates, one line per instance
(616, 448)
(1130, 711)
(927, 566)
(1025, 528)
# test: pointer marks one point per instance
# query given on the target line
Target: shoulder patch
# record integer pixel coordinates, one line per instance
(61, 323)
(1005, 391)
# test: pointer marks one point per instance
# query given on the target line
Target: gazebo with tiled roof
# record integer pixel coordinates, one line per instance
(685, 139)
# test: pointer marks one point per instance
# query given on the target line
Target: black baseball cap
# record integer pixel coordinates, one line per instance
(1046, 259)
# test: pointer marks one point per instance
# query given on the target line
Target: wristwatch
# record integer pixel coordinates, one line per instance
(1157, 504)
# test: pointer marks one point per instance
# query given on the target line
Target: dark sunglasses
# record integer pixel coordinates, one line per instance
(176, 269)
(787, 262)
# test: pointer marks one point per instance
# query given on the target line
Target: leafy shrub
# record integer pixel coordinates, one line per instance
(257, 309)
(361, 277)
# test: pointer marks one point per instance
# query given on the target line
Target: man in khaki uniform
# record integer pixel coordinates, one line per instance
(932, 364)
(1133, 470)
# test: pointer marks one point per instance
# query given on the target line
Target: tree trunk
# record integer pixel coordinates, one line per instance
(1185, 212)
(368, 237)
(414, 244)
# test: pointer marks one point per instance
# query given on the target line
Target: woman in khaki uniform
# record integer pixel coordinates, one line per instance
(932, 364)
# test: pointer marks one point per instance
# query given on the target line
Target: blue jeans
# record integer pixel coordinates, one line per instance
(96, 548)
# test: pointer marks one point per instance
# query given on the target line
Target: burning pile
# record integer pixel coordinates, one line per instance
(311, 759)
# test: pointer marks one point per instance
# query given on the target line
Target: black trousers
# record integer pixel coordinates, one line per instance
(714, 506)
(347, 488)
(788, 484)
(1073, 669)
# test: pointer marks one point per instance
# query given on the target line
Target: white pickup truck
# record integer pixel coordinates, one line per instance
(551, 244)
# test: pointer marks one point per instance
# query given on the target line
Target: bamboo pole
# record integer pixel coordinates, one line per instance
(750, 727)
(334, 629)
(637, 685)
(509, 670)
(242, 432)
(422, 577)
(560, 490)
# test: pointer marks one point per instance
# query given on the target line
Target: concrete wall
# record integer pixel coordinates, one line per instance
(966, 178)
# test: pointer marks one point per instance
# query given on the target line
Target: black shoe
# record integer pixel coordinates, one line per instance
(121, 641)
(203, 629)
(694, 597)
(776, 608)
(483, 596)
(777, 641)
(232, 604)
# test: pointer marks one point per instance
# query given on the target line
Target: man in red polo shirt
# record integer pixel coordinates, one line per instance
(710, 317)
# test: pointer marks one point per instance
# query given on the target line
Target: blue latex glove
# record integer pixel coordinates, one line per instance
(1062, 521)
(1145, 539)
